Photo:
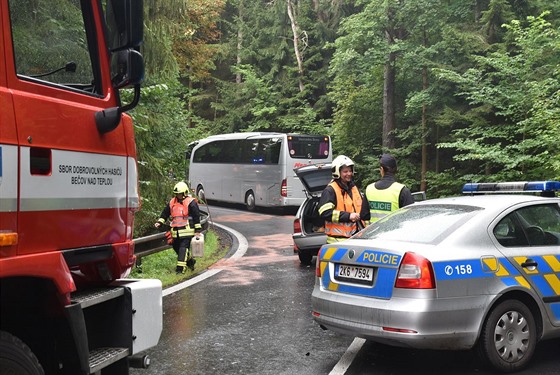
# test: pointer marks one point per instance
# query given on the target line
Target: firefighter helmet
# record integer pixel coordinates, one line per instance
(338, 163)
(181, 187)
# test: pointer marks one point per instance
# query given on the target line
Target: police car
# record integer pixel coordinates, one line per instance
(477, 271)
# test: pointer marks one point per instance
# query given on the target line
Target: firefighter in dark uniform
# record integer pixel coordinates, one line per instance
(387, 195)
(342, 206)
(185, 224)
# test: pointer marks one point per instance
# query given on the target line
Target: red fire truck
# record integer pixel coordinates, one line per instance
(69, 190)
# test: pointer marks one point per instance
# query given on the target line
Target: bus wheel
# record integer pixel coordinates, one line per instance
(200, 194)
(16, 357)
(250, 200)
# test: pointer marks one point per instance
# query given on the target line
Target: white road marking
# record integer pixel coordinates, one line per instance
(241, 250)
(348, 357)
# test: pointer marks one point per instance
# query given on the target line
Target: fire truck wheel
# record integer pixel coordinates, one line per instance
(16, 357)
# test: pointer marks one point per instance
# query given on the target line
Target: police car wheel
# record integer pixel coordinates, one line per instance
(16, 357)
(509, 336)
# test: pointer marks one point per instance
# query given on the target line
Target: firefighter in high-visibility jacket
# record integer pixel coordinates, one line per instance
(342, 205)
(387, 195)
(185, 224)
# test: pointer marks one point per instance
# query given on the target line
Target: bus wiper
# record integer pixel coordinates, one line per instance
(69, 67)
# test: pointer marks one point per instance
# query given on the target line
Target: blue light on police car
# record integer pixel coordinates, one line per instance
(511, 187)
(543, 186)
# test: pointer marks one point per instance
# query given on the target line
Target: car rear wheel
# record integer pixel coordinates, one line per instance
(305, 258)
(16, 357)
(509, 336)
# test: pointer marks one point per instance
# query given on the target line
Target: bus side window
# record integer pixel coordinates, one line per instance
(272, 151)
(251, 154)
(228, 153)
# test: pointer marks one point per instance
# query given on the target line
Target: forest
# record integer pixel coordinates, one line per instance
(458, 90)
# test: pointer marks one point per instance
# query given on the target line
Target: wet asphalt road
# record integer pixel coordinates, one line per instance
(254, 317)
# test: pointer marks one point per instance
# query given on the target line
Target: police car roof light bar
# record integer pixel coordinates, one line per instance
(511, 187)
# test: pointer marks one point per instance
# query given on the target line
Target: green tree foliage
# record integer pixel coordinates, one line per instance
(260, 52)
(512, 129)
(162, 138)
(472, 99)
(178, 38)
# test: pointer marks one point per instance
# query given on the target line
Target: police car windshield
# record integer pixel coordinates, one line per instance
(421, 224)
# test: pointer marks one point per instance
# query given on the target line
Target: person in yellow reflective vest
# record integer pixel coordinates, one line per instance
(185, 224)
(387, 195)
(342, 206)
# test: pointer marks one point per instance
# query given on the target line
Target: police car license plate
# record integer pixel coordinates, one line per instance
(359, 274)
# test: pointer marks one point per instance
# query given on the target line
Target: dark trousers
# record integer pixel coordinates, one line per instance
(182, 247)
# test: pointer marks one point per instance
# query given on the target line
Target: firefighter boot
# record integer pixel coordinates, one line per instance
(190, 263)
(181, 268)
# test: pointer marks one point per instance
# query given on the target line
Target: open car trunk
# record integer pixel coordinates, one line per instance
(310, 235)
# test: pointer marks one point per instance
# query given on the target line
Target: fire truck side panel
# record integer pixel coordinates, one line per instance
(79, 189)
(8, 189)
(8, 156)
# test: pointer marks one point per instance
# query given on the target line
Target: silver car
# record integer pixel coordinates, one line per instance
(309, 231)
(480, 271)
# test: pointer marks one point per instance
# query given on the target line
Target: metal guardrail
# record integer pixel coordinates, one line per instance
(144, 246)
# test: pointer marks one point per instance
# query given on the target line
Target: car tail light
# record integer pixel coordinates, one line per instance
(284, 188)
(297, 226)
(415, 272)
(399, 330)
(318, 263)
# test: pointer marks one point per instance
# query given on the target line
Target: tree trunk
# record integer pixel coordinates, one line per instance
(424, 133)
(389, 87)
(239, 40)
(425, 85)
(295, 32)
(388, 138)
(189, 102)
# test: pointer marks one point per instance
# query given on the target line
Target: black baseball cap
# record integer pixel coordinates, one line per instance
(388, 161)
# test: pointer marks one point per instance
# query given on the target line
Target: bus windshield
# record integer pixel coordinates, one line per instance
(308, 147)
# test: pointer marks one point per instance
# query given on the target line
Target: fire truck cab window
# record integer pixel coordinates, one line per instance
(51, 45)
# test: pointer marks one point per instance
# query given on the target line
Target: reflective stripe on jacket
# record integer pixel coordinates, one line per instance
(180, 217)
(334, 228)
(383, 202)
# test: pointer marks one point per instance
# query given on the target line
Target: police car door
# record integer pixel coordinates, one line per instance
(529, 238)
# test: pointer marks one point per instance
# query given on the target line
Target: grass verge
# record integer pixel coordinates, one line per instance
(162, 265)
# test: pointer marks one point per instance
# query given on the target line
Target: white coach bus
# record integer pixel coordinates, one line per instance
(256, 169)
